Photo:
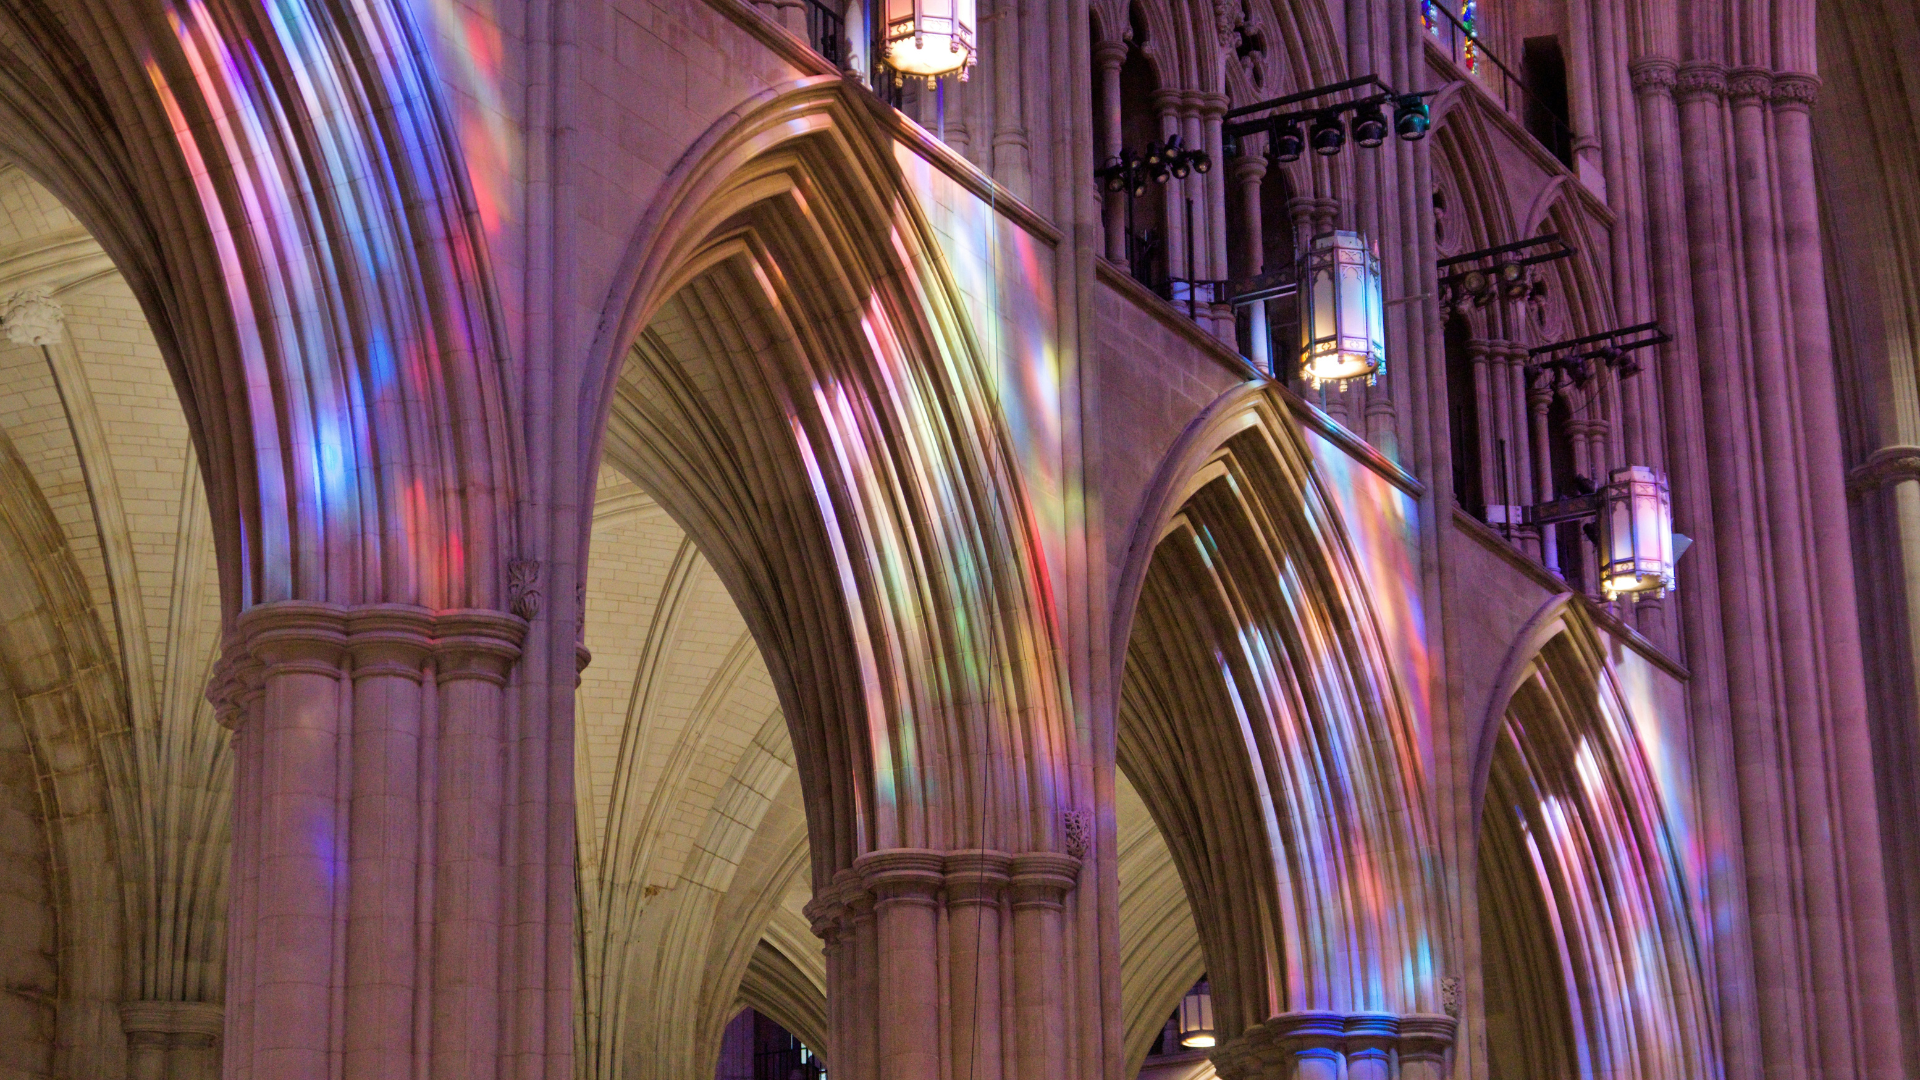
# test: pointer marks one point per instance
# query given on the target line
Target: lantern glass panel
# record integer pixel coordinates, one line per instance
(1196, 1016)
(1343, 329)
(1636, 534)
(930, 37)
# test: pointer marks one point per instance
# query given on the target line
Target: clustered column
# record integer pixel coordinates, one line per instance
(369, 748)
(931, 954)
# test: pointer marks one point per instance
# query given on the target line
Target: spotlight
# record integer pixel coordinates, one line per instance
(1154, 154)
(1411, 117)
(1328, 134)
(1159, 172)
(1369, 125)
(1288, 142)
(1202, 162)
(1180, 168)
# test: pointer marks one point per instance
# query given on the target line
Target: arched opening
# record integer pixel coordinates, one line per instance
(798, 418)
(1265, 730)
(1590, 952)
(1464, 433)
(1146, 219)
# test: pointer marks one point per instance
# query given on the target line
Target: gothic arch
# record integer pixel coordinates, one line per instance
(876, 538)
(339, 372)
(1269, 734)
(1601, 970)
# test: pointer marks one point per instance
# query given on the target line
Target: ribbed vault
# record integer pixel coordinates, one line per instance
(1264, 727)
(1591, 960)
(109, 621)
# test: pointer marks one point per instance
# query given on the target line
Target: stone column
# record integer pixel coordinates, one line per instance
(1248, 170)
(1012, 156)
(1479, 351)
(369, 859)
(1108, 58)
(172, 1040)
(1212, 108)
(925, 980)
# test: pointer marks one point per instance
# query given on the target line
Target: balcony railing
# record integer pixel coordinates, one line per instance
(1519, 101)
(827, 32)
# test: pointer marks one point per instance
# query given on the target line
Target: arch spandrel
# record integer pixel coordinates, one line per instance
(793, 369)
(1271, 728)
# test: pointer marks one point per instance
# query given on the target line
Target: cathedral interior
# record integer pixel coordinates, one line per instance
(959, 539)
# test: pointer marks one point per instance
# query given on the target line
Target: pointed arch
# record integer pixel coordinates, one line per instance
(282, 191)
(1595, 963)
(1264, 724)
(790, 368)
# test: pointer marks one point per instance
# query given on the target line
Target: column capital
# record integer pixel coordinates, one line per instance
(1248, 168)
(1426, 1035)
(1794, 91)
(476, 643)
(1702, 79)
(1212, 105)
(389, 639)
(977, 877)
(1109, 55)
(31, 317)
(295, 636)
(903, 875)
(1654, 75)
(172, 1018)
(1043, 878)
(1749, 84)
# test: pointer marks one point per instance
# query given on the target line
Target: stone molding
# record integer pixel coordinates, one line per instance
(1885, 466)
(172, 1018)
(1043, 879)
(1700, 79)
(1213, 105)
(1275, 1046)
(1749, 84)
(1109, 55)
(1655, 75)
(971, 877)
(391, 640)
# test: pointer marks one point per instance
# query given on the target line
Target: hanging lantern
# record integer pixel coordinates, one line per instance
(1343, 322)
(930, 38)
(1636, 534)
(1196, 1016)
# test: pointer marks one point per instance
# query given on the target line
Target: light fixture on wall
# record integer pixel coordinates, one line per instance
(930, 38)
(1196, 1017)
(1637, 545)
(1342, 314)
(1326, 128)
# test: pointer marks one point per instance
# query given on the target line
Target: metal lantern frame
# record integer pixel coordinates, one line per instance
(1343, 332)
(1196, 1017)
(1636, 534)
(930, 38)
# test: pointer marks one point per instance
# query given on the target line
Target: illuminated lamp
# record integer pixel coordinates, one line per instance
(1343, 318)
(1369, 125)
(930, 38)
(1411, 117)
(1196, 1016)
(1636, 540)
(1288, 142)
(1327, 135)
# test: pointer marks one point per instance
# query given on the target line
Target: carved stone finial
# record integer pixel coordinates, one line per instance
(523, 587)
(31, 317)
(1079, 833)
(1450, 995)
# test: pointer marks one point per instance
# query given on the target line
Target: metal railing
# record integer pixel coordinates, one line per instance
(1485, 67)
(826, 32)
